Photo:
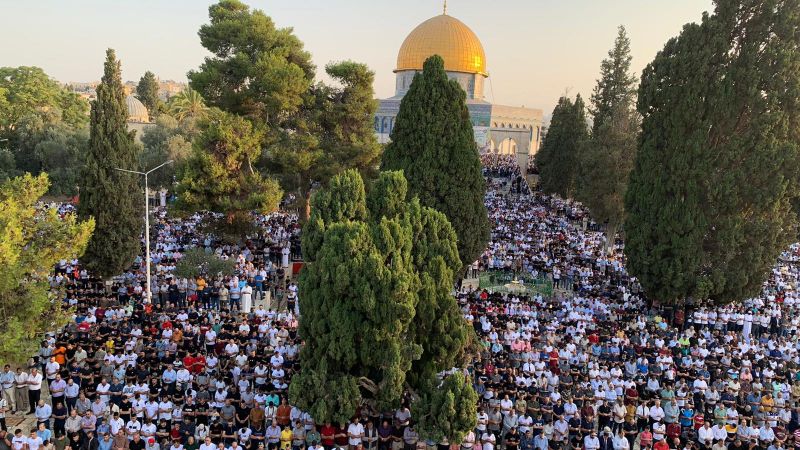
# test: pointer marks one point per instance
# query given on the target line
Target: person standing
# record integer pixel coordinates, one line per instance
(247, 298)
(370, 439)
(7, 382)
(285, 252)
(21, 390)
(355, 433)
(3, 411)
(34, 389)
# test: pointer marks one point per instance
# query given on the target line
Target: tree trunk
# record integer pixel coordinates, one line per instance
(611, 233)
(303, 204)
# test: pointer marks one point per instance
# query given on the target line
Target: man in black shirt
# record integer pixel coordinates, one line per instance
(512, 439)
(137, 443)
(737, 444)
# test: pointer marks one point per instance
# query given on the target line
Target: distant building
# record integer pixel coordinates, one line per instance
(169, 88)
(498, 128)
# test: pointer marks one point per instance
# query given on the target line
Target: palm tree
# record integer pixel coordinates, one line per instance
(187, 104)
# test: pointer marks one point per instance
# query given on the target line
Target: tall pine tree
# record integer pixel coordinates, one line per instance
(559, 158)
(111, 197)
(709, 201)
(433, 143)
(607, 160)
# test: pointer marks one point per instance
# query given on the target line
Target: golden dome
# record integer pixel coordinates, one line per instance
(447, 37)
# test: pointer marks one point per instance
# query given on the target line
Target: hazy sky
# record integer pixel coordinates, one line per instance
(535, 49)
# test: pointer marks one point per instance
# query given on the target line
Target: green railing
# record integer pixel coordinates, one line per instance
(496, 281)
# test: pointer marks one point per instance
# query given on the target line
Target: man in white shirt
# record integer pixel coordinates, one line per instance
(247, 298)
(355, 431)
(207, 444)
(132, 427)
(705, 435)
(656, 412)
(3, 410)
(52, 368)
(116, 424)
(591, 442)
(483, 420)
(34, 441)
(34, 389)
(18, 442)
(488, 441)
(165, 409)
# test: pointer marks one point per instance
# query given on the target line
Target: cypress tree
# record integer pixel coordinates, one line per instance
(709, 201)
(378, 314)
(446, 412)
(559, 158)
(433, 143)
(147, 92)
(113, 198)
(616, 85)
(607, 159)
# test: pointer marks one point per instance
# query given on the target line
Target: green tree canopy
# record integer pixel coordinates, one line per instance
(32, 241)
(219, 175)
(709, 202)
(147, 93)
(110, 196)
(43, 127)
(560, 156)
(28, 91)
(447, 411)
(607, 159)
(257, 70)
(196, 262)
(44, 143)
(332, 133)
(433, 143)
(377, 309)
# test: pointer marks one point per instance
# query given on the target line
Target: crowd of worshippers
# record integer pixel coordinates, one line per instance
(595, 366)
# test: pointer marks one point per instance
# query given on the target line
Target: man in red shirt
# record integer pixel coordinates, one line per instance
(631, 396)
(199, 363)
(327, 434)
(673, 431)
(188, 362)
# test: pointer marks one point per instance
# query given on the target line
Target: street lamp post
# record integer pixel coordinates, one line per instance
(148, 294)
